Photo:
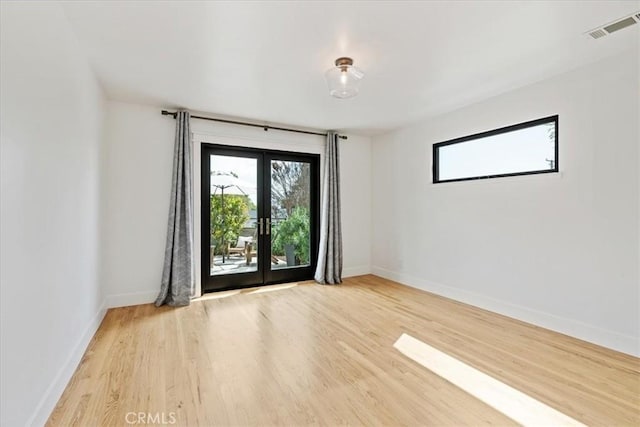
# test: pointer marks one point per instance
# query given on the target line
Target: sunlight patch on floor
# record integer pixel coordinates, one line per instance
(272, 288)
(513, 403)
(262, 289)
(218, 295)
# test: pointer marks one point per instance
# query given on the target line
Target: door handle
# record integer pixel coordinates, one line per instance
(260, 227)
(268, 226)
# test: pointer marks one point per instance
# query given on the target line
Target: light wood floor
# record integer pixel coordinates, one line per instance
(313, 354)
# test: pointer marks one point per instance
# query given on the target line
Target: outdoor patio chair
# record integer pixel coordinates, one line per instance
(245, 245)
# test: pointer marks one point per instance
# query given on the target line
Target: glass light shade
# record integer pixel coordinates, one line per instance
(344, 81)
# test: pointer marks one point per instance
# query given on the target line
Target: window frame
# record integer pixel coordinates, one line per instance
(506, 129)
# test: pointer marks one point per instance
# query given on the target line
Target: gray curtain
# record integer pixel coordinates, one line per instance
(178, 273)
(329, 269)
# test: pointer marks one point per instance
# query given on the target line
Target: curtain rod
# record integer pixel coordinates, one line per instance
(265, 127)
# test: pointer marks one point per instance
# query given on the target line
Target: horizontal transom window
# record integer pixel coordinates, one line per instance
(522, 149)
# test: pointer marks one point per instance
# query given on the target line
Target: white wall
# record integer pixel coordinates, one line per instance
(52, 117)
(356, 198)
(137, 180)
(138, 162)
(560, 251)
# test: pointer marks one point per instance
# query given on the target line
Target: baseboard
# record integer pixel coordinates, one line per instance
(132, 298)
(54, 391)
(356, 271)
(613, 340)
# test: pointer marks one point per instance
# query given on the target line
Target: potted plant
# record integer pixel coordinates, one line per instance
(292, 237)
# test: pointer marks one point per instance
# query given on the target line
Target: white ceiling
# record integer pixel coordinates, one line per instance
(266, 60)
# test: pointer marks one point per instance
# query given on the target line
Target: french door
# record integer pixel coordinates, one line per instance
(260, 216)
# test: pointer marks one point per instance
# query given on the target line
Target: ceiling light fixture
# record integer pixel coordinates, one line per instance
(344, 79)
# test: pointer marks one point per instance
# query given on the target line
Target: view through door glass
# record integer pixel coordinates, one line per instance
(234, 215)
(290, 214)
(259, 216)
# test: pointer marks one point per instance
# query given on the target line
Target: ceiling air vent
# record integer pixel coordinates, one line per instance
(597, 34)
(614, 26)
(624, 23)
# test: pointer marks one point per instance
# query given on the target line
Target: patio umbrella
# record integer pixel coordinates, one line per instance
(229, 182)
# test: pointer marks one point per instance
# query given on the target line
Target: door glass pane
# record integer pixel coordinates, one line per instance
(290, 208)
(234, 219)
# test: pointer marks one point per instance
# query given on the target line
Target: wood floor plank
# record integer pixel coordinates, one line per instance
(323, 355)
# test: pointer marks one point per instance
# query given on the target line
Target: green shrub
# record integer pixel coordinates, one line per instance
(226, 225)
(293, 231)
